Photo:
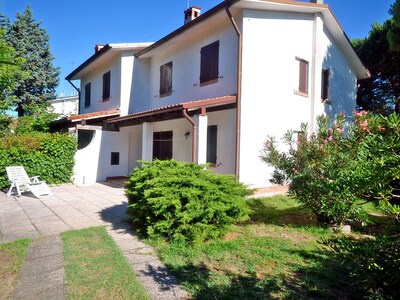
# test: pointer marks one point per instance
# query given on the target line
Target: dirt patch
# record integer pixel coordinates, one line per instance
(280, 232)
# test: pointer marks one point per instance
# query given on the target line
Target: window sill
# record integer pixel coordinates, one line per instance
(326, 101)
(165, 94)
(301, 94)
(209, 82)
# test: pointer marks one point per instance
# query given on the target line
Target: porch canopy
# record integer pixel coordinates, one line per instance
(174, 111)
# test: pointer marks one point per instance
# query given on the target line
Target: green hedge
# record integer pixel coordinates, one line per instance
(184, 201)
(49, 155)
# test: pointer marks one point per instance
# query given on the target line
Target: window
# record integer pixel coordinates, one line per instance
(303, 76)
(212, 144)
(114, 158)
(209, 64)
(166, 79)
(325, 84)
(162, 145)
(87, 94)
(106, 85)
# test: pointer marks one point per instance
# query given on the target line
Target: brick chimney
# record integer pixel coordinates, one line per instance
(98, 47)
(192, 13)
(317, 1)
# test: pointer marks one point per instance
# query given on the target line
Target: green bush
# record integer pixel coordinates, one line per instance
(374, 264)
(184, 201)
(328, 171)
(51, 156)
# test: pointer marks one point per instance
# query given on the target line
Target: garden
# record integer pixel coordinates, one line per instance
(221, 246)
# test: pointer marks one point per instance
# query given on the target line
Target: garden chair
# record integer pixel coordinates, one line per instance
(22, 183)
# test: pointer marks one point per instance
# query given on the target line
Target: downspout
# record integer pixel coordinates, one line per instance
(194, 140)
(239, 88)
(79, 94)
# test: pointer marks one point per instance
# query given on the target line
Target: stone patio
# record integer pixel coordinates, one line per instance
(70, 207)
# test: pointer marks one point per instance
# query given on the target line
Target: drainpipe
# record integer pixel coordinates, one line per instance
(194, 140)
(79, 94)
(239, 88)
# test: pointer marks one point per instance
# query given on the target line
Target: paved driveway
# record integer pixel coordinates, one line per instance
(70, 207)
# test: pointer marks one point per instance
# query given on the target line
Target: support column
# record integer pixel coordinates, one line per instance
(202, 124)
(147, 141)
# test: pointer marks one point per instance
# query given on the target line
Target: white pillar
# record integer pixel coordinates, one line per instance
(147, 141)
(202, 123)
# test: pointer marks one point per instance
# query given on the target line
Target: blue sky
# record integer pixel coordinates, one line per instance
(76, 26)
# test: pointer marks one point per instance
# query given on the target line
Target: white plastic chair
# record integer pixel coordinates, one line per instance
(22, 183)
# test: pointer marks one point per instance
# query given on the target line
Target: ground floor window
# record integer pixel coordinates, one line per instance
(212, 144)
(162, 145)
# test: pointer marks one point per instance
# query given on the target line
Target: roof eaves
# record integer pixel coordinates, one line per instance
(91, 59)
(185, 27)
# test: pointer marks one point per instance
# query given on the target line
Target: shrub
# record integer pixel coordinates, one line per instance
(375, 264)
(51, 156)
(328, 171)
(183, 201)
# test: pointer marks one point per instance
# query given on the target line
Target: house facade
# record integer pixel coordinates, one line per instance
(214, 89)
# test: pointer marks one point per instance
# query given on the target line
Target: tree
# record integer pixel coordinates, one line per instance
(380, 52)
(31, 42)
(10, 74)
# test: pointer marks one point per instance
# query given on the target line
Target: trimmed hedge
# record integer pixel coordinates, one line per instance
(49, 155)
(184, 201)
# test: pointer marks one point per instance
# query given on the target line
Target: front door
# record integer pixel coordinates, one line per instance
(162, 145)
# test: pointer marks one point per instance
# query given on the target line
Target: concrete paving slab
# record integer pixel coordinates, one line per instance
(42, 276)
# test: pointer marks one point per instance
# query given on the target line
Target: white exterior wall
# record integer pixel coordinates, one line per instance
(93, 163)
(127, 67)
(186, 70)
(343, 79)
(96, 79)
(271, 43)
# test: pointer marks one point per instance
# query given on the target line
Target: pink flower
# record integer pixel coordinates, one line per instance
(295, 171)
(339, 130)
(330, 138)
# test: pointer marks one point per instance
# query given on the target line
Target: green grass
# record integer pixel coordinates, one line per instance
(96, 268)
(11, 260)
(275, 255)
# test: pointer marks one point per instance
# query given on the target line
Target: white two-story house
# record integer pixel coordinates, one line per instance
(214, 89)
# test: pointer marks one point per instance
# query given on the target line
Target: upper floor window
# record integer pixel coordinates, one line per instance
(87, 94)
(166, 79)
(209, 64)
(325, 85)
(106, 85)
(303, 76)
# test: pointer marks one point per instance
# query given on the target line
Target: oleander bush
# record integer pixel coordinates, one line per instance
(49, 155)
(184, 201)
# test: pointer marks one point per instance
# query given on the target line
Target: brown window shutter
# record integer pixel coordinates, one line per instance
(303, 77)
(209, 62)
(87, 94)
(325, 84)
(166, 79)
(106, 85)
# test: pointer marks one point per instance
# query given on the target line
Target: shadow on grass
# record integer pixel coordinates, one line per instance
(267, 213)
(323, 278)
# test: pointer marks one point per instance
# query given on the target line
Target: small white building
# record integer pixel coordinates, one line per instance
(65, 106)
(214, 89)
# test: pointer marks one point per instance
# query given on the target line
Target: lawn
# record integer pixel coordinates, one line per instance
(96, 269)
(275, 255)
(11, 260)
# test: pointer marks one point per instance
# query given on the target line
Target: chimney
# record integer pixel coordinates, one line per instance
(317, 1)
(98, 47)
(192, 13)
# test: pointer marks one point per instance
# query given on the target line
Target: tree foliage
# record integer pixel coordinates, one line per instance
(380, 52)
(31, 42)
